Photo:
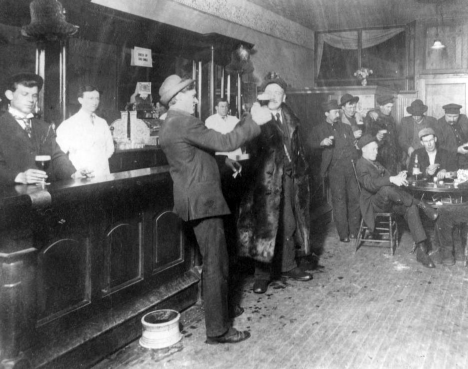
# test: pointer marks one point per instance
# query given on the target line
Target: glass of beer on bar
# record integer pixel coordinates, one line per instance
(42, 163)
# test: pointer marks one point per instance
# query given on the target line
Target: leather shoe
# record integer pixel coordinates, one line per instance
(298, 274)
(423, 257)
(352, 236)
(428, 210)
(344, 239)
(260, 286)
(231, 336)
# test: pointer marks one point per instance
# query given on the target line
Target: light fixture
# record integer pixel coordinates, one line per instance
(438, 45)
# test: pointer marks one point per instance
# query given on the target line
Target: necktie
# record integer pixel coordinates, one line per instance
(278, 118)
(27, 124)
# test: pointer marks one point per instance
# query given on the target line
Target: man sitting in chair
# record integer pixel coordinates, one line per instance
(381, 193)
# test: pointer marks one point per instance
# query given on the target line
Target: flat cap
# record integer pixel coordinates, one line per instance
(425, 132)
(384, 99)
(330, 105)
(365, 140)
(346, 98)
(452, 108)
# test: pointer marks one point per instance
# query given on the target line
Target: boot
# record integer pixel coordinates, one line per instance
(430, 212)
(423, 257)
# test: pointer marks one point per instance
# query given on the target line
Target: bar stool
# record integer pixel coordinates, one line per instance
(385, 231)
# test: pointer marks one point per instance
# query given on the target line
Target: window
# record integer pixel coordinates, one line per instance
(386, 51)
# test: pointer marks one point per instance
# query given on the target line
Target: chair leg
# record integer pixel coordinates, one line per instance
(390, 231)
(359, 236)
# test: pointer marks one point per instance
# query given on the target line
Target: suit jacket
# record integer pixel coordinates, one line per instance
(405, 138)
(17, 150)
(372, 180)
(190, 147)
(446, 159)
(322, 131)
(447, 140)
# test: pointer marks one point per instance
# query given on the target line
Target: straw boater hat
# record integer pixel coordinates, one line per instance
(171, 86)
(417, 108)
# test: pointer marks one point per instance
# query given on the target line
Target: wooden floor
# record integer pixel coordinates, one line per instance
(363, 310)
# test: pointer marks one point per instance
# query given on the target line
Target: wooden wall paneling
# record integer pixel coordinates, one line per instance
(64, 279)
(437, 92)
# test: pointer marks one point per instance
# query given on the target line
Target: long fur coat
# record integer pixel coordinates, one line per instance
(260, 206)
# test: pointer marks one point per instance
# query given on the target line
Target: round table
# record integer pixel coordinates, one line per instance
(440, 193)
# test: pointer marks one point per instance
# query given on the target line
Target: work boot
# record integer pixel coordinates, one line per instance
(430, 212)
(423, 257)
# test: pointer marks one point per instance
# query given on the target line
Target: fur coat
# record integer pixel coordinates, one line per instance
(259, 211)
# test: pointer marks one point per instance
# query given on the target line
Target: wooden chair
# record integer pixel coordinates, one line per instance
(385, 231)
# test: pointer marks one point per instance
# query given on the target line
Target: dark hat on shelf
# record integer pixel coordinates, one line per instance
(273, 77)
(171, 86)
(365, 140)
(417, 108)
(452, 108)
(330, 105)
(426, 132)
(385, 99)
(346, 98)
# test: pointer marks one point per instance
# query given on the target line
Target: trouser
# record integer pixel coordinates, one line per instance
(449, 217)
(285, 247)
(345, 200)
(390, 198)
(212, 243)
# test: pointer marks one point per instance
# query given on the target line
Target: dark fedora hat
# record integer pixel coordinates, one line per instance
(417, 108)
(346, 98)
(330, 105)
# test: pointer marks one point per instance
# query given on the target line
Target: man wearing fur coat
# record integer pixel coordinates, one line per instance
(274, 212)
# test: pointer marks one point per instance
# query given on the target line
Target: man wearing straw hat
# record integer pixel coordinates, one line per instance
(198, 200)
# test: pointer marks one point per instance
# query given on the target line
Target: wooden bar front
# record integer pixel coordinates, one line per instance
(83, 260)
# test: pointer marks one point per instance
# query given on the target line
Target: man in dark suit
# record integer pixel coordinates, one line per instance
(453, 133)
(190, 147)
(336, 140)
(381, 193)
(22, 137)
(432, 161)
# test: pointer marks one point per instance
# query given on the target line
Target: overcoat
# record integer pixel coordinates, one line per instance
(447, 140)
(17, 150)
(260, 206)
(190, 147)
(372, 180)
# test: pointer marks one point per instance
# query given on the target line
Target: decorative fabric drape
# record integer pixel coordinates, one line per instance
(348, 40)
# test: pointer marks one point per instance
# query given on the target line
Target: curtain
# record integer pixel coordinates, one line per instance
(348, 40)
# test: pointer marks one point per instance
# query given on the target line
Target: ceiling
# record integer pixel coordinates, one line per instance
(321, 15)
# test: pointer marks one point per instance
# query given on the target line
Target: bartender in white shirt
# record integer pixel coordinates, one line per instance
(224, 123)
(86, 137)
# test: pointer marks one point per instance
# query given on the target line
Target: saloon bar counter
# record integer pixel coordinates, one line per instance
(82, 261)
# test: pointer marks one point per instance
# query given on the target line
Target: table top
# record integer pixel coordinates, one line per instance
(446, 186)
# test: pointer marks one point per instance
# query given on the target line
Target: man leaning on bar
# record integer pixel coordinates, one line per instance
(23, 136)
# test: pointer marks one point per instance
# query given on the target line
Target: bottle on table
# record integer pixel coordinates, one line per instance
(416, 168)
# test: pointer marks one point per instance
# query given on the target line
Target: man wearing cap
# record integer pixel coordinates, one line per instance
(273, 225)
(453, 136)
(336, 140)
(432, 161)
(350, 116)
(410, 127)
(381, 124)
(189, 147)
(23, 137)
(381, 193)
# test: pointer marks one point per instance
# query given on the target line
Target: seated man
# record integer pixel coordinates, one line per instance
(381, 193)
(432, 161)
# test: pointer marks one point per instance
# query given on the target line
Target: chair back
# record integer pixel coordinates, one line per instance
(355, 175)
